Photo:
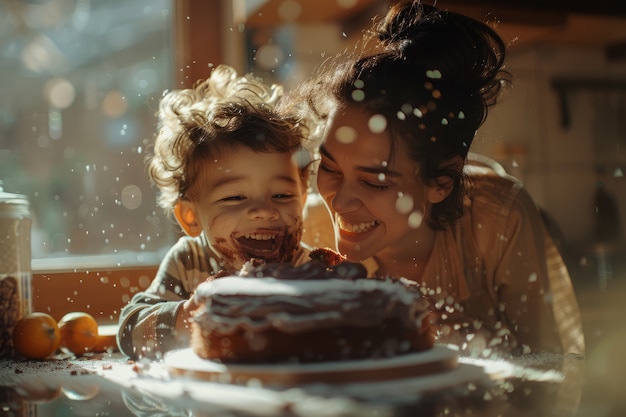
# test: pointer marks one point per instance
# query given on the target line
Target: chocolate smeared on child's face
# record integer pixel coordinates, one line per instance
(271, 247)
(251, 207)
(277, 247)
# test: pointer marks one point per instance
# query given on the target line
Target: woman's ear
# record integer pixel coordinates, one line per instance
(185, 214)
(440, 190)
(442, 186)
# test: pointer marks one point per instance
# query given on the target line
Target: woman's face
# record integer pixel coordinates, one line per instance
(375, 195)
(250, 206)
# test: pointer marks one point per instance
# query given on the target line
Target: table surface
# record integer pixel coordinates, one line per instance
(111, 385)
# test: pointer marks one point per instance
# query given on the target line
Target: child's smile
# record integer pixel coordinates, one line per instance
(262, 243)
(250, 206)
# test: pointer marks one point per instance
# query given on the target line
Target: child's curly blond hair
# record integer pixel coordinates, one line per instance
(221, 112)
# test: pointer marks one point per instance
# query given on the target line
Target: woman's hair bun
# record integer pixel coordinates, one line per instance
(465, 51)
(402, 22)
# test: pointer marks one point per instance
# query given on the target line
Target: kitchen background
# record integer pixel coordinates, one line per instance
(81, 79)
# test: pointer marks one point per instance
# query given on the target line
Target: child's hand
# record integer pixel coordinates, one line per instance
(189, 308)
(183, 320)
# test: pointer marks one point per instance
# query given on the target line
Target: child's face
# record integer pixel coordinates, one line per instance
(250, 206)
(377, 205)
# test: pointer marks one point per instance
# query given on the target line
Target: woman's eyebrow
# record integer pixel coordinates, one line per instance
(368, 170)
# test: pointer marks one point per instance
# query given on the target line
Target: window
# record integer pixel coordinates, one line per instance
(80, 86)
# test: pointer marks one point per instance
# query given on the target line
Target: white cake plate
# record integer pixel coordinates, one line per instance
(186, 364)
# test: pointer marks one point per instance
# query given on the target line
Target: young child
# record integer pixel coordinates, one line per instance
(233, 172)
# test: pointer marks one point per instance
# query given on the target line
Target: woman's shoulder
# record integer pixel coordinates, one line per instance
(497, 204)
(493, 192)
(489, 186)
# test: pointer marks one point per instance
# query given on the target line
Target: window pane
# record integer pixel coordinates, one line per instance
(79, 89)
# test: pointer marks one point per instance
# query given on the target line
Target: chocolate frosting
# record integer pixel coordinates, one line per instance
(307, 271)
(310, 296)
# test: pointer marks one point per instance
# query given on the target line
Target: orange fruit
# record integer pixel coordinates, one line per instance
(107, 341)
(79, 332)
(36, 336)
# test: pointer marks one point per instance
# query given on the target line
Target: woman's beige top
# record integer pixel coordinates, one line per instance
(498, 265)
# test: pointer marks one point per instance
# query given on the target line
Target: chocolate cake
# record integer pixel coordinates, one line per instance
(312, 313)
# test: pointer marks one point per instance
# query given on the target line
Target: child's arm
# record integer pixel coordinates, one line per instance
(148, 322)
(154, 321)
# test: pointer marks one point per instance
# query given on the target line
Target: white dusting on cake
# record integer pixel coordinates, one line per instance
(295, 306)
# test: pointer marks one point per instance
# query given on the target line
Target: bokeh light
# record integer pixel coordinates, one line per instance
(60, 93)
(345, 134)
(269, 56)
(131, 197)
(114, 104)
(377, 123)
(415, 219)
(404, 203)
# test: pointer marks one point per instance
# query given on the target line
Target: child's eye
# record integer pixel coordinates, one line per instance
(283, 196)
(233, 198)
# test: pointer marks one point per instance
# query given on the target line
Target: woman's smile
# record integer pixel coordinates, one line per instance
(360, 227)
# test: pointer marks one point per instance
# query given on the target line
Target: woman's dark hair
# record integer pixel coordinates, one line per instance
(432, 74)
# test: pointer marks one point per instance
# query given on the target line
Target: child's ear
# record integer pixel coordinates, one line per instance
(443, 186)
(185, 214)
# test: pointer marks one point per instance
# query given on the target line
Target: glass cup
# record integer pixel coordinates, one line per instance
(15, 266)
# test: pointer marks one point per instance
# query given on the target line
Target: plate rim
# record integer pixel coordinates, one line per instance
(185, 363)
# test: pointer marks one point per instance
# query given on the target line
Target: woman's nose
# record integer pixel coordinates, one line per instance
(345, 199)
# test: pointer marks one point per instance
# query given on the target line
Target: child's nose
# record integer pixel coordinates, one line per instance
(263, 210)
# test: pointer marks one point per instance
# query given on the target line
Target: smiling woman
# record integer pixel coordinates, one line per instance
(401, 115)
